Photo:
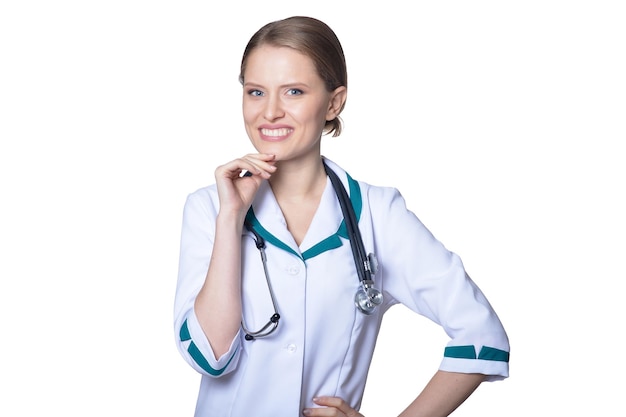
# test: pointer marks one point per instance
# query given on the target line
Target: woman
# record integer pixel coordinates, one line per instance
(283, 333)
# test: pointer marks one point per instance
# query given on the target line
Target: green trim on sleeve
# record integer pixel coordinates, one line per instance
(184, 332)
(469, 352)
(204, 364)
(460, 352)
(197, 355)
(492, 354)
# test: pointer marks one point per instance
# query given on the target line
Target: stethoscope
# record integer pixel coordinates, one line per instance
(367, 297)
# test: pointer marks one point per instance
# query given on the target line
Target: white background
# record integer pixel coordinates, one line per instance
(502, 123)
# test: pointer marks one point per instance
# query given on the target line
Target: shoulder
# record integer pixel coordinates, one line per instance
(203, 199)
(379, 197)
(380, 194)
(208, 191)
(372, 195)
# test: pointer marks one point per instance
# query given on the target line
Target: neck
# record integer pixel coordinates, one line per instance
(298, 181)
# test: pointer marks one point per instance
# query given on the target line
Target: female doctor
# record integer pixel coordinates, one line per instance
(277, 304)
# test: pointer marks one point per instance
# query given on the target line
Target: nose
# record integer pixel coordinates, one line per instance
(273, 108)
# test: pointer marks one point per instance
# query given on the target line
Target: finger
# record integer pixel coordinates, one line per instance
(257, 164)
(322, 412)
(337, 403)
(267, 157)
(263, 162)
(250, 163)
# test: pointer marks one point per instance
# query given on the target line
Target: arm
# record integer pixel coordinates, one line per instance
(443, 394)
(442, 291)
(218, 304)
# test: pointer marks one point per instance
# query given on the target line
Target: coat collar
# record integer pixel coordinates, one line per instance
(326, 227)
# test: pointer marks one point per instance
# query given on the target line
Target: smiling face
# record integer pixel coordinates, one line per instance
(286, 104)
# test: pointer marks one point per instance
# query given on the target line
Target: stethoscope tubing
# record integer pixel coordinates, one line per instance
(352, 227)
(274, 319)
(367, 297)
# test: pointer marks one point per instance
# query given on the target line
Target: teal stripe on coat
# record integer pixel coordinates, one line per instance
(492, 354)
(197, 355)
(469, 352)
(331, 242)
(461, 352)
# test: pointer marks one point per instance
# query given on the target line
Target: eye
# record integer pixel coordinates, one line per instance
(255, 93)
(294, 92)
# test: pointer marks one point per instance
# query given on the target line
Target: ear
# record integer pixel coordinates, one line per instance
(336, 102)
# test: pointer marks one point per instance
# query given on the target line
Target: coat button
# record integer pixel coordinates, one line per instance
(291, 348)
(293, 270)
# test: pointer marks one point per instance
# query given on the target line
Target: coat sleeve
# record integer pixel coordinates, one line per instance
(419, 272)
(196, 245)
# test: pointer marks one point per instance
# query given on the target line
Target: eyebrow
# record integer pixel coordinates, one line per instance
(287, 85)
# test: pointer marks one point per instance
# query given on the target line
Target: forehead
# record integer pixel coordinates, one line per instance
(267, 61)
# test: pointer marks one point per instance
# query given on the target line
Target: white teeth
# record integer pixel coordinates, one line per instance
(276, 132)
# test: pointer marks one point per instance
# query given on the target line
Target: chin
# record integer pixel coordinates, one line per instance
(269, 148)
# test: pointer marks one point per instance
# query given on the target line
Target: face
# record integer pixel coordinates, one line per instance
(286, 104)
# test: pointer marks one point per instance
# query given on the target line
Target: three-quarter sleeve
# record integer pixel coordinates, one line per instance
(196, 246)
(421, 273)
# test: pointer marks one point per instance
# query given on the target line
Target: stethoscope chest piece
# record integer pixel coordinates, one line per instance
(367, 298)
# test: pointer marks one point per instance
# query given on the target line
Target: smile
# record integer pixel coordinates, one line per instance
(276, 132)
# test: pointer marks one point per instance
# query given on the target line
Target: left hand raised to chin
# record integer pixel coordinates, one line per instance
(331, 407)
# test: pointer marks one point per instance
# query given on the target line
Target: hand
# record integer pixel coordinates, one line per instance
(236, 192)
(333, 407)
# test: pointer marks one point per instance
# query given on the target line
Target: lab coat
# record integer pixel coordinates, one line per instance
(323, 344)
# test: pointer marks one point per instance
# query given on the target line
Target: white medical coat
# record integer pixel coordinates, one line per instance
(323, 344)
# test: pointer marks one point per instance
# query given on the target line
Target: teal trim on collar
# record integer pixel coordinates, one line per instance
(197, 355)
(331, 242)
(469, 352)
(267, 235)
(355, 197)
